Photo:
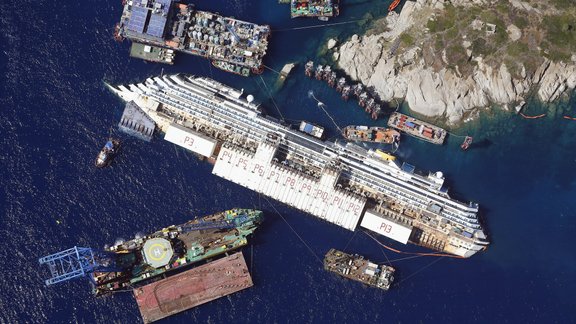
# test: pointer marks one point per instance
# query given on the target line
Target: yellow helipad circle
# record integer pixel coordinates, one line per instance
(156, 252)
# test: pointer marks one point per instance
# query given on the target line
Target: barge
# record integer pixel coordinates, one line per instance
(152, 53)
(180, 27)
(417, 128)
(193, 287)
(356, 268)
(371, 134)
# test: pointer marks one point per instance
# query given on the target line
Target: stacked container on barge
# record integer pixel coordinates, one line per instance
(233, 45)
(371, 134)
(417, 128)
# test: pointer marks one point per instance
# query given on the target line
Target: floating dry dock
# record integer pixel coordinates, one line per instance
(192, 288)
(339, 183)
(180, 27)
(417, 128)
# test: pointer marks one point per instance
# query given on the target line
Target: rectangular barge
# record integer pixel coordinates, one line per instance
(417, 128)
(180, 27)
(192, 288)
(356, 268)
(152, 53)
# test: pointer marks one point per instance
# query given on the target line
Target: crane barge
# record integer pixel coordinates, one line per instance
(132, 263)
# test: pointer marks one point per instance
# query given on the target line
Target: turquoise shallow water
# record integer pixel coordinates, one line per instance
(55, 114)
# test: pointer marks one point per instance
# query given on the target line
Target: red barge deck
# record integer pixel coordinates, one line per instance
(193, 287)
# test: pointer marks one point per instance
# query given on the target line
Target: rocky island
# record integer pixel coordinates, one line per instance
(450, 58)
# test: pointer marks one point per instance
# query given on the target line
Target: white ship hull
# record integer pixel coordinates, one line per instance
(333, 181)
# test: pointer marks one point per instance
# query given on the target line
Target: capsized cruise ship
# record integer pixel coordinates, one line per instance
(343, 184)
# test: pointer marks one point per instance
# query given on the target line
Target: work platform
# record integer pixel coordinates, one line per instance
(192, 288)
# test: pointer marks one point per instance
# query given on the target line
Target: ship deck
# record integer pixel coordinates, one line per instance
(315, 8)
(152, 53)
(417, 128)
(192, 288)
(355, 268)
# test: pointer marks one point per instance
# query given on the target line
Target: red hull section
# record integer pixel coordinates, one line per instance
(193, 287)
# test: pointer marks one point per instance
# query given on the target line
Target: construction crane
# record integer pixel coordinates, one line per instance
(230, 29)
(74, 263)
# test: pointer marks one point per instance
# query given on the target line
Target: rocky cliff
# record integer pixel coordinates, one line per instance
(441, 89)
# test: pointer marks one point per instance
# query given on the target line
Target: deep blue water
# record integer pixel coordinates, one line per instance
(55, 115)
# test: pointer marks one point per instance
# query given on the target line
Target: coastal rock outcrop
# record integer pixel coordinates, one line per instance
(444, 91)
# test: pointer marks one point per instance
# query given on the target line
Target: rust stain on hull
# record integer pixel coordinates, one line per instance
(193, 287)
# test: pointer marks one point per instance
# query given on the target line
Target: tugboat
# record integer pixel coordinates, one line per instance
(346, 92)
(362, 99)
(376, 111)
(107, 153)
(309, 67)
(467, 142)
(341, 83)
(370, 104)
(332, 79)
(327, 73)
(318, 73)
(358, 90)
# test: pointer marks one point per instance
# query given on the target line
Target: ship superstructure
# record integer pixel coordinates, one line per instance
(340, 183)
(232, 44)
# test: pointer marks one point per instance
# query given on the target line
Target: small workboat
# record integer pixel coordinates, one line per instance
(107, 153)
(466, 144)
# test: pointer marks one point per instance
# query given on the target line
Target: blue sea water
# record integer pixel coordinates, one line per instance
(55, 115)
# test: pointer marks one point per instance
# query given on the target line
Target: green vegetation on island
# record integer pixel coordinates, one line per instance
(519, 35)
